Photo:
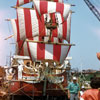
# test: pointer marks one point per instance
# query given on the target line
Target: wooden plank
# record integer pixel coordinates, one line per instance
(21, 7)
(9, 37)
(50, 43)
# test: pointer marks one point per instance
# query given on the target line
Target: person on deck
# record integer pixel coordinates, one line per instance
(94, 92)
(73, 90)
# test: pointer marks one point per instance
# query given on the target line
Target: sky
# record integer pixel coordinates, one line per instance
(85, 34)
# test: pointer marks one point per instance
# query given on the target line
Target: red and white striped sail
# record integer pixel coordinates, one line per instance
(63, 29)
(22, 2)
(68, 23)
(44, 7)
(21, 46)
(62, 32)
(22, 49)
(29, 26)
(42, 51)
(37, 38)
(64, 26)
(14, 27)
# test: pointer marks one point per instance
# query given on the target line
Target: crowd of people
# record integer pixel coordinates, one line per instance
(75, 93)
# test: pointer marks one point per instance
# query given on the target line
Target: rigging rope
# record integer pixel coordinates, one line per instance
(92, 6)
(96, 3)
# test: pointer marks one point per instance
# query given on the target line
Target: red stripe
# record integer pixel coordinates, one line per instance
(56, 52)
(43, 7)
(40, 51)
(28, 25)
(64, 27)
(68, 50)
(40, 38)
(20, 48)
(60, 8)
(17, 4)
(55, 0)
(26, 1)
(52, 39)
(54, 31)
(17, 25)
(42, 31)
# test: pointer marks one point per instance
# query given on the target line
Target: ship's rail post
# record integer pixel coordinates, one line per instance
(33, 91)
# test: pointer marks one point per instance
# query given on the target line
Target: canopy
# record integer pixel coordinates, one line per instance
(22, 49)
(44, 7)
(29, 26)
(42, 51)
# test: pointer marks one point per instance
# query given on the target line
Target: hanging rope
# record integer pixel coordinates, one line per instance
(93, 7)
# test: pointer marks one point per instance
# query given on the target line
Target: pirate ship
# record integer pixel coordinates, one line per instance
(42, 35)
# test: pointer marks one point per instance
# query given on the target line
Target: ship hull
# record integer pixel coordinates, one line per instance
(39, 89)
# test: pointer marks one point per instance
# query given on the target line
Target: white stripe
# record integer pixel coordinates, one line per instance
(61, 1)
(46, 39)
(51, 7)
(25, 48)
(21, 24)
(48, 51)
(66, 10)
(36, 38)
(47, 16)
(14, 27)
(37, 4)
(60, 27)
(21, 2)
(68, 27)
(64, 51)
(55, 40)
(33, 50)
(34, 21)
